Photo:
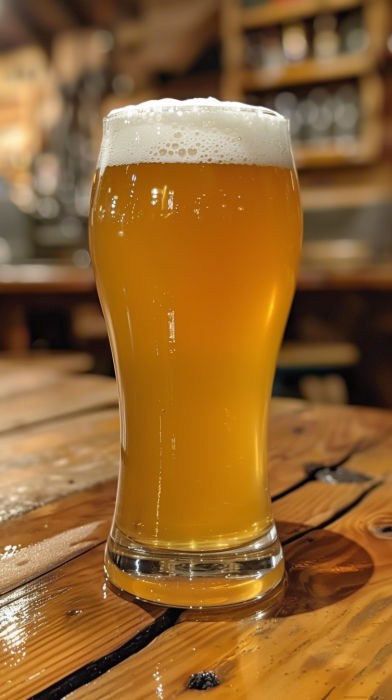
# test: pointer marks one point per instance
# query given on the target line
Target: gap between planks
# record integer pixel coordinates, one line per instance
(68, 396)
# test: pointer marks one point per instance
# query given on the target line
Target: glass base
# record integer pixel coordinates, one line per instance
(195, 579)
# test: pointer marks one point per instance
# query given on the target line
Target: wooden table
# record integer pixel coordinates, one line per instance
(63, 631)
(372, 276)
(35, 285)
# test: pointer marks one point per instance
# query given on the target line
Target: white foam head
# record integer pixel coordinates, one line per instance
(195, 131)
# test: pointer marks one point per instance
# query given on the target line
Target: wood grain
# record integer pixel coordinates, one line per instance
(49, 536)
(54, 360)
(52, 460)
(61, 522)
(55, 625)
(332, 629)
(47, 462)
(68, 395)
(332, 638)
(321, 436)
(15, 381)
(314, 504)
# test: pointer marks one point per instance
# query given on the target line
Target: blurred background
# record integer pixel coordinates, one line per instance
(326, 64)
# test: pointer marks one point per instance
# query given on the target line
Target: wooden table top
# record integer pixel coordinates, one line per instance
(63, 632)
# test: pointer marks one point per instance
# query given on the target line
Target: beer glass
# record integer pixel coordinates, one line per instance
(195, 233)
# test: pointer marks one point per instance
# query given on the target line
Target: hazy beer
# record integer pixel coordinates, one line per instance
(195, 237)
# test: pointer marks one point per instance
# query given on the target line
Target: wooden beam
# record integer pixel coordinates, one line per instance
(14, 32)
(79, 11)
(130, 8)
(45, 17)
(23, 12)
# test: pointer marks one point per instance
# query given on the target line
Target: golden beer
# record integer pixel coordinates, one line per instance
(195, 265)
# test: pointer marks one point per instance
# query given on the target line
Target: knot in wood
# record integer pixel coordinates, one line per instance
(338, 475)
(382, 530)
(203, 680)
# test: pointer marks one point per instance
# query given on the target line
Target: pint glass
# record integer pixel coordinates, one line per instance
(195, 234)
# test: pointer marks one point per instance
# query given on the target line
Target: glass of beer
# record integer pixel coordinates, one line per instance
(195, 234)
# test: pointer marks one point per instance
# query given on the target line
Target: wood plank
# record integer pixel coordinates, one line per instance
(309, 70)
(15, 381)
(322, 197)
(282, 406)
(60, 622)
(32, 371)
(48, 462)
(332, 637)
(49, 536)
(68, 395)
(330, 155)
(279, 13)
(315, 437)
(314, 504)
(321, 436)
(375, 462)
(54, 360)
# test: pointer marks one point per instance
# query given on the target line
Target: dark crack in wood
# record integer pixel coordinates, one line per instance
(94, 669)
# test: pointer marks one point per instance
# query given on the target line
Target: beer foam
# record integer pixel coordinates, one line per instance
(195, 131)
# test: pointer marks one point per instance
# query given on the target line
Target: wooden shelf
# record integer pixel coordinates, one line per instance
(281, 12)
(372, 276)
(309, 71)
(330, 154)
(237, 81)
(333, 188)
(344, 196)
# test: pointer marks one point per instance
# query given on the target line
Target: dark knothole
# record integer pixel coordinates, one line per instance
(203, 680)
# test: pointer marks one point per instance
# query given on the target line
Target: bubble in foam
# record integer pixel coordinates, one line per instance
(195, 131)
